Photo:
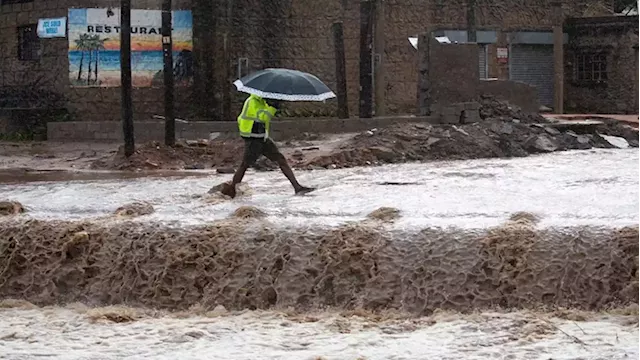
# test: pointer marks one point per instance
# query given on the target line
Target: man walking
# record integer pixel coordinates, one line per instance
(254, 123)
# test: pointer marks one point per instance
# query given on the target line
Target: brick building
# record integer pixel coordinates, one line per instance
(234, 37)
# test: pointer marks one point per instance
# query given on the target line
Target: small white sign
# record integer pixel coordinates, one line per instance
(503, 52)
(52, 28)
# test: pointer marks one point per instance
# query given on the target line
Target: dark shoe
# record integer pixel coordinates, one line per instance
(304, 190)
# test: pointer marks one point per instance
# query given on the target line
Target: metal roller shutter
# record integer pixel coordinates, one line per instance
(482, 53)
(533, 65)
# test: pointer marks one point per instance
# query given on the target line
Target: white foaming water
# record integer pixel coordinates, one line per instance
(64, 333)
(598, 187)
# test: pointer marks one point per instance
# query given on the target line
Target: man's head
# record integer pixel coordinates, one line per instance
(275, 103)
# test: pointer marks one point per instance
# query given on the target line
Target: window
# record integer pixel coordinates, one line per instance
(590, 67)
(28, 43)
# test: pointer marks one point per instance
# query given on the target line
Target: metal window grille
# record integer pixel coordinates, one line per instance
(591, 66)
(28, 43)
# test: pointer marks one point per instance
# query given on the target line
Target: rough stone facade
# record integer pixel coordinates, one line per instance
(617, 39)
(284, 33)
(304, 41)
(50, 74)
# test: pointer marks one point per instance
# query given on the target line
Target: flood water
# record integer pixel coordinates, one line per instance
(573, 188)
(74, 334)
(598, 187)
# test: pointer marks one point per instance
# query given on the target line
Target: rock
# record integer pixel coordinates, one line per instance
(570, 141)
(225, 170)
(551, 130)
(298, 155)
(583, 139)
(609, 142)
(134, 209)
(540, 143)
(461, 131)
(11, 208)
(432, 140)
(422, 126)
(194, 167)
(502, 128)
(384, 154)
(198, 143)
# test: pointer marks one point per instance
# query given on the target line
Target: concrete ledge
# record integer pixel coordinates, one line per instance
(282, 129)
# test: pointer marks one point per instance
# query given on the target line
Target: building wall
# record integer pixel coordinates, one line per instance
(286, 33)
(51, 72)
(304, 36)
(617, 38)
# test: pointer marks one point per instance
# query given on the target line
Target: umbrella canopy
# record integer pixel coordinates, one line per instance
(285, 84)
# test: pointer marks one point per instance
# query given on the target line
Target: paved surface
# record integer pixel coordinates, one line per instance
(630, 119)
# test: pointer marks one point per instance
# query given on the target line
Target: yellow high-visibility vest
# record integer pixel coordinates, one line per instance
(255, 110)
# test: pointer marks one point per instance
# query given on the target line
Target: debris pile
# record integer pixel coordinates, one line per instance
(493, 108)
(490, 138)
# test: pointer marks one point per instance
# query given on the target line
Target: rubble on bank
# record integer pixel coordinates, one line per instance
(504, 131)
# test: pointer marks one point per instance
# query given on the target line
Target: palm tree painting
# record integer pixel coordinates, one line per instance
(97, 46)
(93, 45)
(82, 44)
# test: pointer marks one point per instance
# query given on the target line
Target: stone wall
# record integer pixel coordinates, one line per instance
(303, 38)
(453, 72)
(456, 84)
(51, 72)
(286, 33)
(617, 37)
(109, 131)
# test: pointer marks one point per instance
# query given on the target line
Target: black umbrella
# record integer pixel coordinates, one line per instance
(285, 84)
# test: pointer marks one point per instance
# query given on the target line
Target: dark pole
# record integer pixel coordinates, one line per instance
(125, 77)
(226, 84)
(366, 47)
(424, 85)
(167, 55)
(341, 72)
(471, 21)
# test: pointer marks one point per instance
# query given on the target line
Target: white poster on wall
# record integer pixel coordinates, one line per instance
(52, 28)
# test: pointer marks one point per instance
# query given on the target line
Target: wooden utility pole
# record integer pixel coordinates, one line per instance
(167, 56)
(471, 21)
(226, 58)
(558, 58)
(380, 79)
(424, 83)
(366, 48)
(125, 77)
(341, 71)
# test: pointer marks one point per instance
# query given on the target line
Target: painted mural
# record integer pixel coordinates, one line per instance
(94, 47)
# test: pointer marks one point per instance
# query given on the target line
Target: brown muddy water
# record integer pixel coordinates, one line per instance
(25, 175)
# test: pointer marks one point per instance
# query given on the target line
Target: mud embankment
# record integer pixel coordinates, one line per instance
(244, 264)
(493, 137)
